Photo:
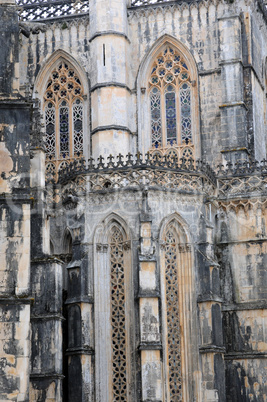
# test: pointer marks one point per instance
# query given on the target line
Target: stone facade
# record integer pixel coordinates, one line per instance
(133, 269)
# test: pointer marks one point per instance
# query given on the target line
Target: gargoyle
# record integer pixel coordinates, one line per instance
(26, 28)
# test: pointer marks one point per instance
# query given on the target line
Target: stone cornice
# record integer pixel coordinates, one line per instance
(169, 6)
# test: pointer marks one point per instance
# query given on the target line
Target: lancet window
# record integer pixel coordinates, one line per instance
(173, 347)
(64, 114)
(170, 96)
(118, 327)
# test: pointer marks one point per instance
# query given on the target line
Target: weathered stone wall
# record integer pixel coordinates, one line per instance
(143, 216)
(222, 38)
(46, 325)
(242, 248)
(9, 59)
(72, 36)
(213, 34)
(14, 219)
(222, 275)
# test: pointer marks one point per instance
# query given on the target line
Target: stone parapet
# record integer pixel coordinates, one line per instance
(242, 178)
(40, 10)
(129, 170)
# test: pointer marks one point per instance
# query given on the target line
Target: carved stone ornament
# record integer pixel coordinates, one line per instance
(41, 10)
(70, 202)
(101, 248)
(127, 245)
(182, 248)
(162, 245)
(26, 28)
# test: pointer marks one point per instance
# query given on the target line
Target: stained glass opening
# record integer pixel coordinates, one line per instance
(170, 105)
(155, 106)
(50, 138)
(64, 115)
(170, 100)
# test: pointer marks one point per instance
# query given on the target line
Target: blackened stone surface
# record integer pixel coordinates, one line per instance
(75, 379)
(9, 55)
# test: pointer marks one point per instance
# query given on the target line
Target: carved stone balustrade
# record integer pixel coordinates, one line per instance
(42, 10)
(242, 178)
(138, 172)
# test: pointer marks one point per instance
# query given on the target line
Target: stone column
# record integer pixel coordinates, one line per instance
(150, 342)
(211, 334)
(46, 319)
(80, 326)
(233, 110)
(110, 94)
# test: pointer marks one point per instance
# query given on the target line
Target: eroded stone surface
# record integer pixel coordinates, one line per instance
(189, 271)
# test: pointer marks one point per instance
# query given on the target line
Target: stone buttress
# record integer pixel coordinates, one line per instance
(15, 207)
(129, 276)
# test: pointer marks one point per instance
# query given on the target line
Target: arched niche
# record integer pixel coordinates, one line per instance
(179, 312)
(52, 248)
(114, 310)
(67, 243)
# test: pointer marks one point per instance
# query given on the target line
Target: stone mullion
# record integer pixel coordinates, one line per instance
(150, 345)
(178, 114)
(163, 117)
(71, 129)
(57, 132)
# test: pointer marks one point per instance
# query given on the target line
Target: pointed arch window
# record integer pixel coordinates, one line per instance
(173, 348)
(114, 315)
(170, 94)
(118, 327)
(177, 313)
(64, 114)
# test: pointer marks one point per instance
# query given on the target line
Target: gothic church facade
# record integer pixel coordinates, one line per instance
(133, 200)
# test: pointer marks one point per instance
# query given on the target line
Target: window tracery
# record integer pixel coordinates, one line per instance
(173, 317)
(170, 95)
(118, 327)
(64, 115)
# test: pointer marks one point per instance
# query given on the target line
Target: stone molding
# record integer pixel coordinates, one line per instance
(211, 349)
(104, 33)
(110, 127)
(110, 84)
(245, 355)
(147, 8)
(245, 204)
(136, 171)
